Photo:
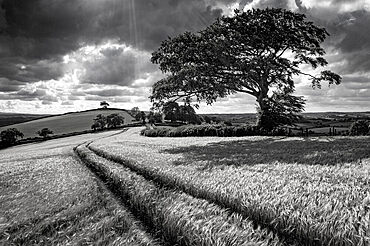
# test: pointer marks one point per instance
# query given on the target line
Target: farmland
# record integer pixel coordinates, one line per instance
(48, 197)
(121, 188)
(66, 123)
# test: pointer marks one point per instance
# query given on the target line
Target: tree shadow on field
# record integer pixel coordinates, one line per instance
(246, 152)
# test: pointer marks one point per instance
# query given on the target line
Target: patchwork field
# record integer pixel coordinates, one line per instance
(127, 189)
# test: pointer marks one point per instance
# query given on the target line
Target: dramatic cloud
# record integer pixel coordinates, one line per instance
(64, 55)
(118, 66)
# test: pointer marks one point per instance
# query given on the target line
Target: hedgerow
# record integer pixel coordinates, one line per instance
(209, 130)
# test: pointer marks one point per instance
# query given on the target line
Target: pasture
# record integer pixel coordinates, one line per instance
(66, 123)
(121, 188)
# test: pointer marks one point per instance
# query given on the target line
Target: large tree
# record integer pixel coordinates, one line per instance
(256, 52)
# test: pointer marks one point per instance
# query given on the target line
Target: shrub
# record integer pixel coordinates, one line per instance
(360, 127)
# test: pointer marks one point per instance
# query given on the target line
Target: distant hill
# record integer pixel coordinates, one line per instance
(66, 123)
(14, 118)
(250, 118)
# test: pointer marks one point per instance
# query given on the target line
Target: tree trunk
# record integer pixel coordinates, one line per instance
(263, 119)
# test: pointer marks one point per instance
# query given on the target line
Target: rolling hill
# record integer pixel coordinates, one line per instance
(66, 123)
(14, 118)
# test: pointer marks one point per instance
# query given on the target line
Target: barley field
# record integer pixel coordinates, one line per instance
(121, 188)
(48, 197)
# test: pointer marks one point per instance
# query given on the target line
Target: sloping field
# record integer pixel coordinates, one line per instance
(66, 123)
(49, 198)
(307, 191)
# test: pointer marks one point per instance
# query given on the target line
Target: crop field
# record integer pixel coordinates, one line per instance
(121, 188)
(49, 198)
(312, 191)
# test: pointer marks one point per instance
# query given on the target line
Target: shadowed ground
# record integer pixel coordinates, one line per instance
(328, 151)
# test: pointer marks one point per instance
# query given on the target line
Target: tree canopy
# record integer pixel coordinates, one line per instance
(104, 104)
(256, 52)
(100, 122)
(10, 136)
(175, 112)
(44, 132)
(114, 120)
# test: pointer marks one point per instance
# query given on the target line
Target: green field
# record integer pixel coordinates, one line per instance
(66, 123)
(187, 191)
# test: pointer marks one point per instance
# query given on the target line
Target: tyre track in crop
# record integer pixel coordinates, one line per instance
(262, 221)
(143, 235)
(173, 215)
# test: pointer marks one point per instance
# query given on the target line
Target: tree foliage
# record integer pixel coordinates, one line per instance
(256, 52)
(10, 136)
(44, 132)
(154, 117)
(138, 115)
(114, 120)
(100, 122)
(360, 127)
(175, 112)
(104, 104)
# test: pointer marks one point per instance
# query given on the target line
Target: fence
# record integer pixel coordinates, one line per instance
(318, 131)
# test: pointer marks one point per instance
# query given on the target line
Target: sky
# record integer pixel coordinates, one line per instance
(59, 56)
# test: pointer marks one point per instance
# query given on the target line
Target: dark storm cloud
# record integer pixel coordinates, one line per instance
(51, 28)
(23, 70)
(7, 85)
(36, 34)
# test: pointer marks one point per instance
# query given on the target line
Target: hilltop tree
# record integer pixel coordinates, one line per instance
(10, 136)
(114, 120)
(104, 104)
(44, 132)
(256, 52)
